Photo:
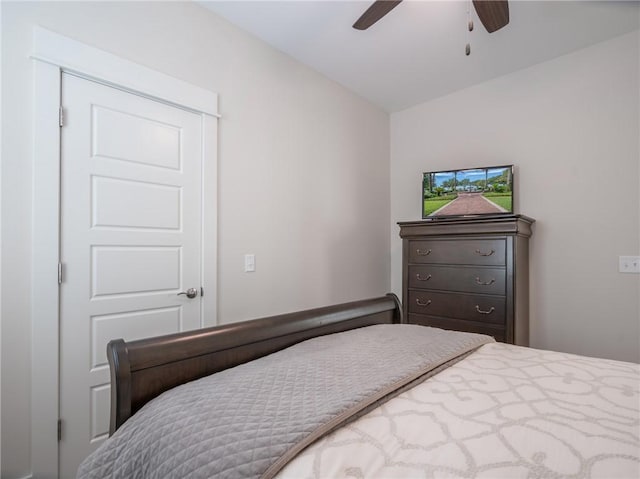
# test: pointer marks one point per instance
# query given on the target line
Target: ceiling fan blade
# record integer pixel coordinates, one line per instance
(494, 14)
(374, 13)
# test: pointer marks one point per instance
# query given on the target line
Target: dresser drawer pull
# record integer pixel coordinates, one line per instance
(419, 303)
(420, 278)
(419, 252)
(485, 254)
(491, 310)
(485, 283)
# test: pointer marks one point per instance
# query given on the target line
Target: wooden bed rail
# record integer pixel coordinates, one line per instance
(143, 369)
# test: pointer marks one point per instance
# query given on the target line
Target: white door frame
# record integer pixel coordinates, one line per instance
(52, 55)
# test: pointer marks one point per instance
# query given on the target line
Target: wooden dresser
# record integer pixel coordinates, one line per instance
(468, 274)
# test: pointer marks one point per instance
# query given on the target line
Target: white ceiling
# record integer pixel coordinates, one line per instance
(416, 52)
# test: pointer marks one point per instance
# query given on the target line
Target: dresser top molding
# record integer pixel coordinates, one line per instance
(500, 224)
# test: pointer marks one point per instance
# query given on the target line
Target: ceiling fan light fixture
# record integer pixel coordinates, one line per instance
(494, 14)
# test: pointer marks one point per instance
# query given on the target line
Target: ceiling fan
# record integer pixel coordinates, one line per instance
(494, 14)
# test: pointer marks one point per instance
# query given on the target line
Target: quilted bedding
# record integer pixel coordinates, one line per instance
(250, 420)
(502, 412)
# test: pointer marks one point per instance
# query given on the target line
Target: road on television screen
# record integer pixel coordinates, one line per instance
(469, 204)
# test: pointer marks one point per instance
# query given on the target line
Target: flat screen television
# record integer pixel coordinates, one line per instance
(469, 192)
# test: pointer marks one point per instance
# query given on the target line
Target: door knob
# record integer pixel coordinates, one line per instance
(190, 293)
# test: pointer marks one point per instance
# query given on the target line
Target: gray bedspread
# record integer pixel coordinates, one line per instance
(249, 421)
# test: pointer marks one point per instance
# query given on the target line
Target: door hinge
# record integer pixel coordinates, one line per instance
(201, 291)
(59, 273)
(59, 429)
(61, 116)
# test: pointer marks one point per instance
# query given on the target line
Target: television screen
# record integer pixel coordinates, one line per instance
(470, 192)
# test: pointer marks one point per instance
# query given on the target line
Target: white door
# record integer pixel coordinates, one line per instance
(130, 241)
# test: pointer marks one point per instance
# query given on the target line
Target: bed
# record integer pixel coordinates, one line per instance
(349, 390)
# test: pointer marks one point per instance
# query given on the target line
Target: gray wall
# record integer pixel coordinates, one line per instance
(303, 172)
(571, 128)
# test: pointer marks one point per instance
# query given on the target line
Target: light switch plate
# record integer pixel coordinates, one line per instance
(629, 264)
(249, 263)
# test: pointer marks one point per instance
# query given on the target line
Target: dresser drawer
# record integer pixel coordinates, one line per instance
(458, 325)
(489, 252)
(472, 307)
(464, 279)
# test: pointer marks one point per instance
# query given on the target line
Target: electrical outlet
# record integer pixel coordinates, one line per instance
(629, 264)
(249, 263)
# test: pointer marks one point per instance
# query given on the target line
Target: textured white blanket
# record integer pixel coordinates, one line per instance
(502, 412)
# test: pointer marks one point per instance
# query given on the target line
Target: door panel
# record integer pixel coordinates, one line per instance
(100, 400)
(134, 269)
(121, 203)
(127, 137)
(138, 324)
(131, 214)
